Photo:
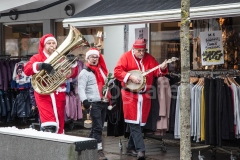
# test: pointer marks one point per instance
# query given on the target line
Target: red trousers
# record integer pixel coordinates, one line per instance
(51, 109)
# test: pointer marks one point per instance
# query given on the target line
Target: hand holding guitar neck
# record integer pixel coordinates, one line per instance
(164, 65)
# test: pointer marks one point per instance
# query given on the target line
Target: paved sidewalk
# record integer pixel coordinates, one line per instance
(153, 148)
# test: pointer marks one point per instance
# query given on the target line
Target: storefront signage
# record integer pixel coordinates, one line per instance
(211, 48)
(141, 33)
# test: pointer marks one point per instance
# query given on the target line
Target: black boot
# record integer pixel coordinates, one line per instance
(51, 129)
(131, 152)
(141, 155)
(101, 155)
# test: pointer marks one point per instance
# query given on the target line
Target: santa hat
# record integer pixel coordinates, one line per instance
(50, 38)
(139, 43)
(43, 41)
(91, 52)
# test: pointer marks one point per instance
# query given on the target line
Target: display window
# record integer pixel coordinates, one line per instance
(214, 43)
(22, 39)
(94, 36)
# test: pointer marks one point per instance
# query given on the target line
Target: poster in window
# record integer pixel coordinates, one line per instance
(141, 33)
(12, 47)
(211, 48)
(29, 46)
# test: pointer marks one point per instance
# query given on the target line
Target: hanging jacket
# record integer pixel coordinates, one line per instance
(32, 97)
(3, 106)
(22, 105)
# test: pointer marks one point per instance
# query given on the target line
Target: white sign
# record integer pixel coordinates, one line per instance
(141, 33)
(211, 48)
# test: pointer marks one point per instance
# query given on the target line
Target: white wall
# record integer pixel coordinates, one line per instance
(113, 45)
(56, 12)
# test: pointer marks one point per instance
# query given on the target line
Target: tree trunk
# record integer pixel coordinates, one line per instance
(185, 142)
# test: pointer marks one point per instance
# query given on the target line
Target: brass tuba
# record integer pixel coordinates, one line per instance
(44, 83)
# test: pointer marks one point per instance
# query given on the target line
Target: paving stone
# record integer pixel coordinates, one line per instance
(153, 148)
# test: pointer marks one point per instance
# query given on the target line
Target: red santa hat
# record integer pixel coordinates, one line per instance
(43, 41)
(92, 51)
(139, 43)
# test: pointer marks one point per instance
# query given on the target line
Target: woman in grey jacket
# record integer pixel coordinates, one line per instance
(90, 84)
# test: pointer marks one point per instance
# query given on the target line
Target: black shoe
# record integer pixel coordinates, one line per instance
(141, 155)
(101, 155)
(131, 152)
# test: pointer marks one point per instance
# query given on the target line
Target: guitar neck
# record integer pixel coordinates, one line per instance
(151, 70)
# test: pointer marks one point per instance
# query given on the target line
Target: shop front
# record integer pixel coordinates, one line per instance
(19, 40)
(214, 56)
(23, 24)
(162, 22)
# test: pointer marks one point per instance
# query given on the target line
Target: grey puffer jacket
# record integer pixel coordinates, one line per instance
(87, 86)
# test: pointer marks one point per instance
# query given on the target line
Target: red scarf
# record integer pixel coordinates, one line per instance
(98, 75)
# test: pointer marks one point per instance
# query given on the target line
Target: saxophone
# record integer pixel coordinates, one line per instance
(44, 83)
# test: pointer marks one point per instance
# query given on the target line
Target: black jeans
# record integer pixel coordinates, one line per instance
(136, 139)
(98, 115)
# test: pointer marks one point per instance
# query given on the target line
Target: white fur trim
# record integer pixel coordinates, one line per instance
(50, 38)
(139, 112)
(55, 110)
(74, 65)
(35, 67)
(103, 75)
(61, 89)
(48, 124)
(91, 52)
(134, 122)
(47, 55)
(126, 77)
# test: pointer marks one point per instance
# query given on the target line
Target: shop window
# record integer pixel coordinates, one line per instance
(217, 48)
(165, 43)
(94, 36)
(229, 32)
(22, 39)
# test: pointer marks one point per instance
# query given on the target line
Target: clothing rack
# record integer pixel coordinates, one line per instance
(7, 57)
(174, 74)
(214, 74)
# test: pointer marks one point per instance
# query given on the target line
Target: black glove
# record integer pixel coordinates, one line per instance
(47, 67)
(86, 104)
(70, 57)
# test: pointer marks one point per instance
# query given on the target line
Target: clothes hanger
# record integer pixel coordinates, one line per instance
(229, 80)
(226, 81)
(233, 80)
(194, 79)
(202, 82)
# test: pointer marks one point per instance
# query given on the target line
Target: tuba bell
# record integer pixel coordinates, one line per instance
(44, 83)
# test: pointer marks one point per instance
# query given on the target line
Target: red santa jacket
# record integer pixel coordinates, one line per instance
(136, 106)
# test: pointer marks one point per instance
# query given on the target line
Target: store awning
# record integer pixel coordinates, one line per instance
(113, 12)
(10, 4)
